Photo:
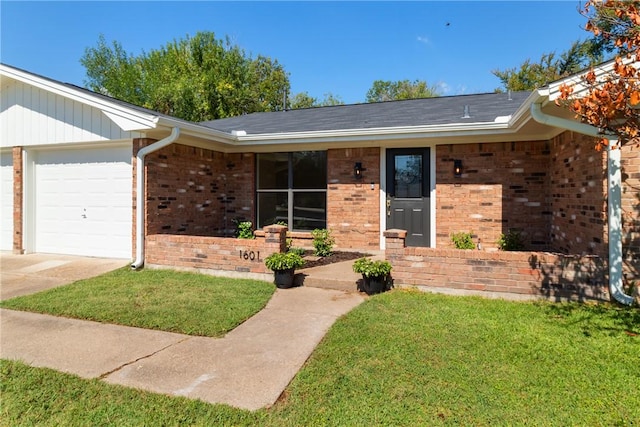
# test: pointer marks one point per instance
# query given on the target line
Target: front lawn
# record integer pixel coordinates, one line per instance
(400, 358)
(188, 303)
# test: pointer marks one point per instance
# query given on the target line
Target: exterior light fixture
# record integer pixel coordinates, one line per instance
(357, 170)
(457, 168)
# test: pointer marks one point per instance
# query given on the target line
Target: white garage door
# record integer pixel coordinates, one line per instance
(6, 208)
(83, 202)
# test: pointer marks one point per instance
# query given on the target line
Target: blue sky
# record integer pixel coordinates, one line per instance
(327, 47)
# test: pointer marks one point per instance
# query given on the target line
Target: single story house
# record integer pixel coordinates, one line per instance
(484, 164)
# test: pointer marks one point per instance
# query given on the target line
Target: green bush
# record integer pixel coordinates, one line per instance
(511, 241)
(279, 261)
(244, 229)
(322, 242)
(299, 251)
(463, 240)
(370, 268)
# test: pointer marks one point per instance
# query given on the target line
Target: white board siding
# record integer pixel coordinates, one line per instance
(31, 116)
(83, 202)
(6, 201)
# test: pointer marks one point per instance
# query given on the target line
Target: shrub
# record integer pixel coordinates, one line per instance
(370, 268)
(463, 240)
(299, 251)
(279, 261)
(244, 229)
(511, 241)
(322, 242)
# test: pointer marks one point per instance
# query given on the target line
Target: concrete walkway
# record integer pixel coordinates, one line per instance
(249, 368)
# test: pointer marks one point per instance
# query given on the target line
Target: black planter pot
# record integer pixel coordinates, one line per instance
(283, 279)
(374, 285)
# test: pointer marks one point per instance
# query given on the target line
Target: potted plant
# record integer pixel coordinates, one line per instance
(283, 265)
(375, 274)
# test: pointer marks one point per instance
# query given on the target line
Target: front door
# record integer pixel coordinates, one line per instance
(408, 193)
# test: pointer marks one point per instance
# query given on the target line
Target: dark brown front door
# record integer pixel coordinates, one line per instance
(408, 193)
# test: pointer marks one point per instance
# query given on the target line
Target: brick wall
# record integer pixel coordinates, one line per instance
(578, 193)
(503, 186)
(631, 212)
(543, 274)
(18, 202)
(198, 192)
(353, 207)
(244, 257)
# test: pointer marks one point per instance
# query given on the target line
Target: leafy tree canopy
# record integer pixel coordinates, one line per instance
(611, 102)
(304, 100)
(531, 75)
(385, 90)
(196, 78)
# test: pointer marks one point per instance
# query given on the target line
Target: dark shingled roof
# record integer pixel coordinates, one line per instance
(415, 112)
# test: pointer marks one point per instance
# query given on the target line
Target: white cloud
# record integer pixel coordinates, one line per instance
(423, 40)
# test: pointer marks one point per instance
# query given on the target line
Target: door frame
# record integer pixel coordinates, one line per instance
(432, 191)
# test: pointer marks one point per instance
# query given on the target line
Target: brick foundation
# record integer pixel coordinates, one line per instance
(242, 257)
(542, 274)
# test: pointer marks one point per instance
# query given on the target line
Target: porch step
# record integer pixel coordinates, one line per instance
(338, 276)
(309, 280)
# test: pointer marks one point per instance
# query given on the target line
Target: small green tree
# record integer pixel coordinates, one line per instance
(322, 242)
(463, 240)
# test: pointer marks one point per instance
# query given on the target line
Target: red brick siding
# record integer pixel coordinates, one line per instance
(578, 193)
(193, 191)
(18, 195)
(503, 186)
(215, 253)
(353, 207)
(530, 273)
(631, 211)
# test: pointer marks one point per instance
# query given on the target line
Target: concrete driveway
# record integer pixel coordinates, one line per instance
(27, 274)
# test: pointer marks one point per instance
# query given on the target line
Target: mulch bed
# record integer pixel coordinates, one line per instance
(337, 256)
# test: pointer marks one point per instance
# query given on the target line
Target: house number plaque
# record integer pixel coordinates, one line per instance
(250, 255)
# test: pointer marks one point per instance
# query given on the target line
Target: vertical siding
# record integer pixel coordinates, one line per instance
(32, 116)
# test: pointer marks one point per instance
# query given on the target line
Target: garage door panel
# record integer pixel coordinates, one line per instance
(84, 200)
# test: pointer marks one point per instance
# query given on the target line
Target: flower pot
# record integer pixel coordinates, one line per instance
(374, 285)
(283, 279)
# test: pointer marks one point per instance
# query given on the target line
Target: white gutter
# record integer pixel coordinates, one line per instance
(140, 193)
(614, 205)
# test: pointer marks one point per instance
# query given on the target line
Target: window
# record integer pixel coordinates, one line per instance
(292, 189)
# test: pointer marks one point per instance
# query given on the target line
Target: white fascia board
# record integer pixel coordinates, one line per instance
(196, 130)
(376, 134)
(132, 119)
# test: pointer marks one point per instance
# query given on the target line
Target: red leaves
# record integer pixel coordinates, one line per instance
(611, 102)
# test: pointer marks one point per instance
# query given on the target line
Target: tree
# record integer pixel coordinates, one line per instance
(304, 100)
(610, 102)
(551, 67)
(385, 90)
(197, 78)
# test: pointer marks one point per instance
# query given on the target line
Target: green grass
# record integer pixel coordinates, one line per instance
(401, 358)
(188, 303)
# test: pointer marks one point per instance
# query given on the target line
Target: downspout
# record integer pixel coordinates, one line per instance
(614, 192)
(140, 192)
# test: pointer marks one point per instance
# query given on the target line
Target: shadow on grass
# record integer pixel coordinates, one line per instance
(598, 318)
